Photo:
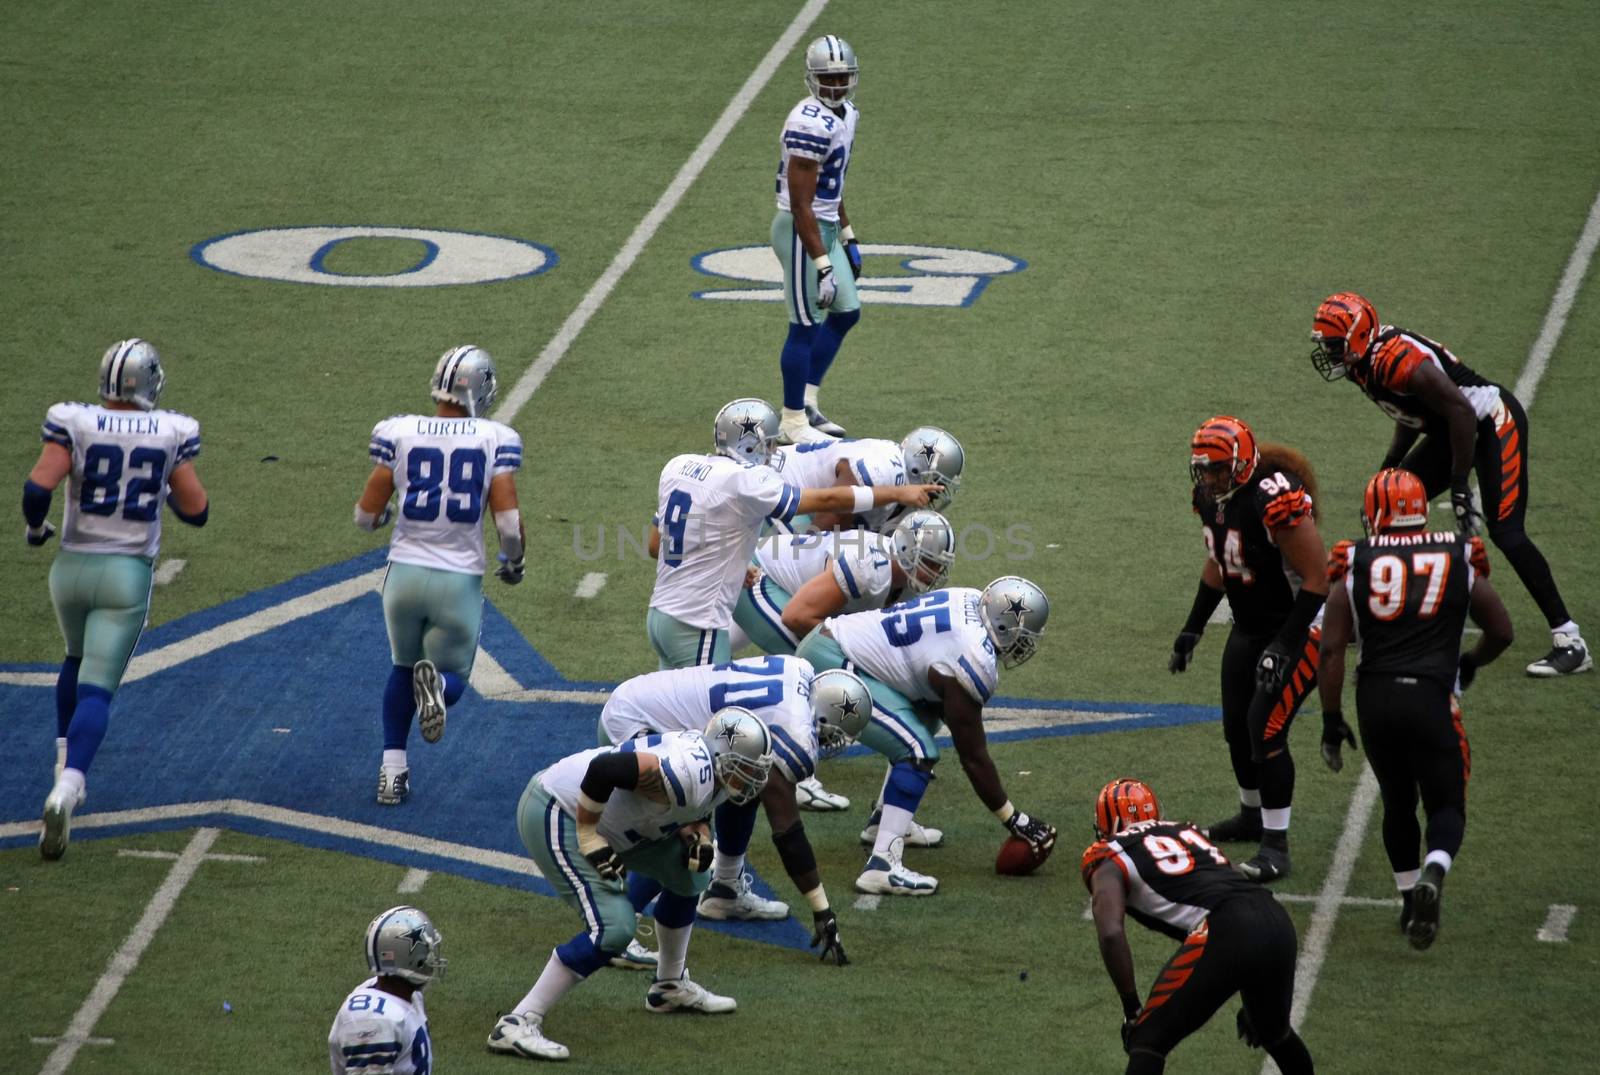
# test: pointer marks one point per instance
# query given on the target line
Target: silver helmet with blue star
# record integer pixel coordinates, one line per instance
(842, 706)
(746, 430)
(465, 377)
(831, 57)
(924, 548)
(403, 942)
(1014, 612)
(130, 372)
(933, 456)
(741, 752)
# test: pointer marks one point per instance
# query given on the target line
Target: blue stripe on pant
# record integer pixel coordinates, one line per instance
(896, 730)
(759, 613)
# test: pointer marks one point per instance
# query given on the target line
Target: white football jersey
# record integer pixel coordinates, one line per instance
(630, 819)
(378, 1032)
(777, 689)
(860, 561)
(814, 131)
(442, 469)
(942, 630)
(121, 463)
(710, 510)
(872, 462)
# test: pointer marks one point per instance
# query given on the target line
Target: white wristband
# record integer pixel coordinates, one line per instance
(365, 519)
(1006, 812)
(509, 525)
(822, 263)
(865, 496)
(848, 235)
(818, 899)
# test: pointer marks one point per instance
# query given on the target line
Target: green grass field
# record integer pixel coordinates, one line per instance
(1185, 183)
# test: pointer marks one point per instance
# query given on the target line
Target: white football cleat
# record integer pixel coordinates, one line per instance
(634, 957)
(427, 690)
(916, 836)
(394, 785)
(523, 1035)
(722, 902)
(886, 875)
(684, 995)
(811, 795)
(58, 807)
(796, 428)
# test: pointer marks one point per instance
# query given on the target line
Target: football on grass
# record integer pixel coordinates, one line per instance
(1017, 858)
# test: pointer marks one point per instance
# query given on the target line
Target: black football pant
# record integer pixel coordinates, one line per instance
(1501, 462)
(1411, 729)
(1255, 724)
(1247, 945)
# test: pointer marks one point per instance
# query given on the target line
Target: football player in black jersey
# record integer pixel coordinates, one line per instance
(1236, 938)
(1257, 507)
(1464, 422)
(1407, 594)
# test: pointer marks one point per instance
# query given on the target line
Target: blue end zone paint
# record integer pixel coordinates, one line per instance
(204, 730)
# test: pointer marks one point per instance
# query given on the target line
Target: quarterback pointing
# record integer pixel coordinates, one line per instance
(811, 234)
(445, 467)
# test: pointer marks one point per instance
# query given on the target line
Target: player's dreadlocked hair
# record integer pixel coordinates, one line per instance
(1283, 457)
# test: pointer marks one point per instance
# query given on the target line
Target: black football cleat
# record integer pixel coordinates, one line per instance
(1405, 911)
(1241, 828)
(1268, 865)
(1425, 900)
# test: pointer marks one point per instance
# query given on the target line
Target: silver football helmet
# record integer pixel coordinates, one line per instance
(741, 749)
(830, 55)
(1014, 612)
(934, 457)
(924, 548)
(130, 372)
(842, 706)
(403, 941)
(465, 377)
(746, 430)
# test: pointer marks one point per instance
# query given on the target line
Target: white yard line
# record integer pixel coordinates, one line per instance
(1556, 923)
(590, 585)
(127, 957)
(135, 853)
(867, 901)
(1315, 949)
(553, 352)
(413, 881)
(168, 570)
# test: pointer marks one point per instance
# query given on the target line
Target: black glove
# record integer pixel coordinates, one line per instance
(698, 854)
(1127, 1031)
(607, 863)
(1247, 1031)
(1466, 670)
(1130, 1015)
(1038, 833)
(825, 935)
(44, 533)
(1335, 732)
(510, 571)
(1183, 651)
(1272, 667)
(852, 253)
(1461, 503)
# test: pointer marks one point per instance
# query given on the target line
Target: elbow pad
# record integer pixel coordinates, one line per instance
(509, 525)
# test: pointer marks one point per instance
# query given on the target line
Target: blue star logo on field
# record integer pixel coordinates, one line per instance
(261, 715)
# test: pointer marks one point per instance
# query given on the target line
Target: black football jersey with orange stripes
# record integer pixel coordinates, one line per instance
(1411, 593)
(1174, 876)
(1385, 371)
(1259, 585)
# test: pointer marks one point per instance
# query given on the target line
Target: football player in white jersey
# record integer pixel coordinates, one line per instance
(808, 717)
(930, 660)
(811, 233)
(843, 461)
(639, 808)
(382, 1026)
(710, 510)
(444, 467)
(122, 459)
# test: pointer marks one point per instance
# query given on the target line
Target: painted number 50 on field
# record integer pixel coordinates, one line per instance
(925, 276)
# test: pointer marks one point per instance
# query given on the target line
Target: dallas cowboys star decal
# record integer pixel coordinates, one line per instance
(1016, 607)
(848, 707)
(749, 426)
(928, 451)
(415, 936)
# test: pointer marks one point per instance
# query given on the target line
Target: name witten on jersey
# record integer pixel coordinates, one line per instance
(121, 463)
(777, 689)
(378, 1031)
(710, 510)
(942, 631)
(814, 131)
(442, 470)
(629, 818)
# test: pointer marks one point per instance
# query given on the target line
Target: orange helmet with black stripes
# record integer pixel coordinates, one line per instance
(1395, 500)
(1343, 330)
(1121, 803)
(1222, 456)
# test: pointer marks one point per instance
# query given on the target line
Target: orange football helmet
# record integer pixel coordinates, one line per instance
(1344, 328)
(1222, 456)
(1395, 500)
(1121, 803)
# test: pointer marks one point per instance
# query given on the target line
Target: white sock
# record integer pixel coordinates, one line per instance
(673, 952)
(394, 759)
(71, 780)
(791, 417)
(1406, 880)
(1442, 858)
(811, 395)
(61, 755)
(725, 869)
(1277, 820)
(552, 985)
(895, 823)
(1568, 628)
(1250, 797)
